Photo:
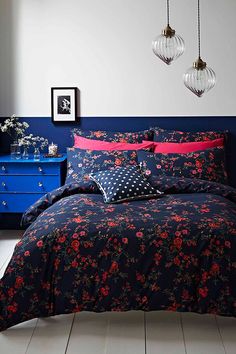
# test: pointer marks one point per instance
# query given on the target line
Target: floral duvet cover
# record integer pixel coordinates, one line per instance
(173, 253)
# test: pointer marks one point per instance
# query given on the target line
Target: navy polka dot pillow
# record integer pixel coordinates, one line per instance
(124, 184)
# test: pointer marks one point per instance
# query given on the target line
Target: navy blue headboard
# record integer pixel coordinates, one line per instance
(61, 133)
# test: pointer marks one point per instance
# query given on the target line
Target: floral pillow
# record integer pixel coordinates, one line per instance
(80, 163)
(124, 184)
(120, 137)
(208, 164)
(176, 136)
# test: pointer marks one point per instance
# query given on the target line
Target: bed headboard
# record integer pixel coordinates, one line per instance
(60, 134)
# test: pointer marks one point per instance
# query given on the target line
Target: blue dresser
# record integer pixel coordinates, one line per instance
(22, 182)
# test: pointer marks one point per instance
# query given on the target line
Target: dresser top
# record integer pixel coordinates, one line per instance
(8, 159)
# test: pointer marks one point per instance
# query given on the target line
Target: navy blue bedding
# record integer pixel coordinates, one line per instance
(177, 253)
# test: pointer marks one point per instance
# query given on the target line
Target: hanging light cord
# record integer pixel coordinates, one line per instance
(168, 12)
(199, 31)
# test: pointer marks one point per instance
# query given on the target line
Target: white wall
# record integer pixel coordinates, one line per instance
(104, 48)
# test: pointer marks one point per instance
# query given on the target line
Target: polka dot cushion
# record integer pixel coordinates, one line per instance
(124, 184)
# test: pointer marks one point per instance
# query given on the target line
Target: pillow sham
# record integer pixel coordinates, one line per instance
(120, 137)
(90, 144)
(166, 148)
(208, 164)
(80, 163)
(176, 136)
(124, 184)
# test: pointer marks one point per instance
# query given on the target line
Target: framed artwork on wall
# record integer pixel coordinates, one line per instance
(64, 104)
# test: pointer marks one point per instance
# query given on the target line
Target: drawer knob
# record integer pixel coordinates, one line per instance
(4, 203)
(3, 168)
(40, 184)
(40, 169)
(3, 184)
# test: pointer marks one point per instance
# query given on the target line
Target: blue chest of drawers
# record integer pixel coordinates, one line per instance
(22, 182)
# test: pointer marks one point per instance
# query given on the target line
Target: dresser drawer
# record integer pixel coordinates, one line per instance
(35, 184)
(29, 168)
(17, 203)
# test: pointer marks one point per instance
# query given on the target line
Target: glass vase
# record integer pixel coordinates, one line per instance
(36, 154)
(15, 150)
(25, 154)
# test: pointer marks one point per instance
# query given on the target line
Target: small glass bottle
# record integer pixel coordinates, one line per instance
(36, 153)
(18, 152)
(25, 154)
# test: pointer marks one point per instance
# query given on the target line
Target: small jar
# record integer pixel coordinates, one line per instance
(52, 149)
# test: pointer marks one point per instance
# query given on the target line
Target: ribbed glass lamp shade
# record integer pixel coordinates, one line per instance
(168, 48)
(199, 80)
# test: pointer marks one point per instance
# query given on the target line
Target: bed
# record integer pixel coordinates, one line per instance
(176, 252)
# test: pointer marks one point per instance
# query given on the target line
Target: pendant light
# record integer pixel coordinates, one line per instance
(199, 78)
(168, 46)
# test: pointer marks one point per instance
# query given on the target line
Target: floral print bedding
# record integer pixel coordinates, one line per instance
(120, 137)
(176, 253)
(176, 136)
(206, 164)
(80, 163)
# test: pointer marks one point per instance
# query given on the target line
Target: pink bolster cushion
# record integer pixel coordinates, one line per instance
(181, 148)
(90, 144)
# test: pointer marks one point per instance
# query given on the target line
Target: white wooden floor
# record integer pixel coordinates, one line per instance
(116, 333)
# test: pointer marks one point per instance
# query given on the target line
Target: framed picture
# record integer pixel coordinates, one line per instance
(64, 104)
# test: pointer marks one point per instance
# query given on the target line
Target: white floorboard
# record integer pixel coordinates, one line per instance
(108, 333)
(6, 249)
(201, 334)
(164, 333)
(8, 240)
(89, 334)
(126, 333)
(227, 328)
(16, 339)
(3, 266)
(51, 335)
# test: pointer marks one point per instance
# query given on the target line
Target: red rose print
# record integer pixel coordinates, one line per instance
(12, 308)
(215, 268)
(74, 264)
(203, 292)
(164, 234)
(118, 162)
(114, 267)
(105, 291)
(139, 234)
(78, 220)
(40, 243)
(62, 239)
(19, 282)
(177, 261)
(75, 245)
(178, 242)
(111, 223)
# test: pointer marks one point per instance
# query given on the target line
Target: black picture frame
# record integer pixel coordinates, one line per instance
(64, 105)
